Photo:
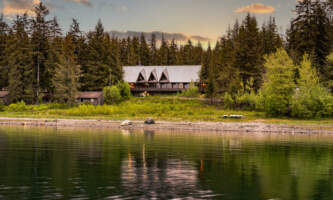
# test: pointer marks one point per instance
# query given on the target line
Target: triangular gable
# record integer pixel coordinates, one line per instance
(142, 76)
(164, 76)
(153, 76)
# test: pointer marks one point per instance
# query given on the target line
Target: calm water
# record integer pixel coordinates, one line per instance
(113, 164)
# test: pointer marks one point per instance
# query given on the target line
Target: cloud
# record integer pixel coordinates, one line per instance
(256, 8)
(14, 7)
(83, 2)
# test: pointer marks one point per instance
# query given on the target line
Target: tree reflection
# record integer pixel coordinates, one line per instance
(96, 163)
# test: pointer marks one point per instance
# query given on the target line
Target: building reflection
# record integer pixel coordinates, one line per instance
(160, 178)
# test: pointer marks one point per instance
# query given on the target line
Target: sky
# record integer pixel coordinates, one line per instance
(208, 19)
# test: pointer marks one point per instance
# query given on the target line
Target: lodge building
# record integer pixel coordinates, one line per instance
(161, 79)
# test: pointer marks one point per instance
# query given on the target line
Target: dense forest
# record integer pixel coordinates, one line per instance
(38, 61)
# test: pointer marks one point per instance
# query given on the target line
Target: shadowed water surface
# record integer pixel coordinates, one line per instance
(48, 163)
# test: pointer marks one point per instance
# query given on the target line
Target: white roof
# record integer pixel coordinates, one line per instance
(176, 74)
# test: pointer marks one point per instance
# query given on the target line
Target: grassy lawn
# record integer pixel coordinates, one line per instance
(168, 109)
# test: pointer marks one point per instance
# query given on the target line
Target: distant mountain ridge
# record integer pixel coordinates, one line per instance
(179, 37)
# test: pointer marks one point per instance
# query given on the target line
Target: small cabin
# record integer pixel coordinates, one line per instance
(161, 79)
(4, 97)
(94, 98)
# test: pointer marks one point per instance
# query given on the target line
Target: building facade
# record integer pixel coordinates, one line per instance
(161, 79)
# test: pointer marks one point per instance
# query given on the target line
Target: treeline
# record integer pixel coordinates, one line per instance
(38, 61)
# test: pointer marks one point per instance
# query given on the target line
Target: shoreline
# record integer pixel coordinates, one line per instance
(244, 127)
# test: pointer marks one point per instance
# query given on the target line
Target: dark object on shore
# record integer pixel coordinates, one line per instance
(232, 116)
(149, 121)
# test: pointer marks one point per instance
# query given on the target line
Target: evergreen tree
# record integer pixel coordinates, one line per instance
(54, 50)
(206, 62)
(211, 83)
(103, 66)
(4, 37)
(136, 51)
(39, 39)
(20, 61)
(67, 73)
(132, 58)
(163, 52)
(271, 39)
(248, 58)
(144, 51)
(123, 52)
(78, 41)
(188, 58)
(309, 33)
(173, 53)
(198, 51)
(155, 57)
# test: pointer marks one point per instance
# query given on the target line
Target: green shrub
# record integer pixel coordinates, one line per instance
(191, 91)
(228, 101)
(17, 107)
(2, 107)
(278, 87)
(311, 98)
(111, 95)
(125, 90)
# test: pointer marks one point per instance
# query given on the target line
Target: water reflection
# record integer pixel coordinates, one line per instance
(126, 164)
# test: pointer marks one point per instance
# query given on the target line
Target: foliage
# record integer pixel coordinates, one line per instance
(111, 95)
(309, 33)
(327, 78)
(278, 86)
(125, 90)
(228, 101)
(17, 107)
(191, 91)
(66, 79)
(311, 99)
(245, 98)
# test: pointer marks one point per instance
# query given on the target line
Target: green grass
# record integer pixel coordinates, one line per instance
(169, 109)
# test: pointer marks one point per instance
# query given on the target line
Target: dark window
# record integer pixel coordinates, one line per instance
(163, 77)
(152, 77)
(140, 78)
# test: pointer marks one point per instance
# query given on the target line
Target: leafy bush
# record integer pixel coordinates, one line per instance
(17, 107)
(278, 87)
(125, 90)
(228, 101)
(111, 95)
(311, 98)
(245, 98)
(191, 91)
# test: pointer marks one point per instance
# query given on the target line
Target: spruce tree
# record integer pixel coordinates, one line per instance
(173, 53)
(39, 39)
(144, 51)
(206, 61)
(248, 58)
(21, 63)
(67, 73)
(103, 67)
(309, 33)
(163, 52)
(271, 39)
(155, 57)
(4, 37)
(188, 58)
